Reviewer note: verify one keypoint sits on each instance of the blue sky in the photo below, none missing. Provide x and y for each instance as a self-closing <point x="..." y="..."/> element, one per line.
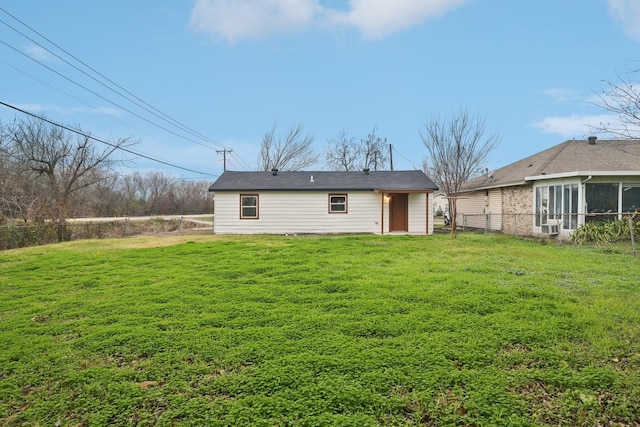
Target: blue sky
<point x="229" y="69"/>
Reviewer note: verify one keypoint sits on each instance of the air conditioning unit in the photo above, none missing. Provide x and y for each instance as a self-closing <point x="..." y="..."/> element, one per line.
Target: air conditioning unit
<point x="554" y="226"/>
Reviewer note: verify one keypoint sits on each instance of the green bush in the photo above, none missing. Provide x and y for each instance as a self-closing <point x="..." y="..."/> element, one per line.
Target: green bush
<point x="602" y="233"/>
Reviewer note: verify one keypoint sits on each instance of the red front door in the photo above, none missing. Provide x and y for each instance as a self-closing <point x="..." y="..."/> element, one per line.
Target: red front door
<point x="399" y="212"/>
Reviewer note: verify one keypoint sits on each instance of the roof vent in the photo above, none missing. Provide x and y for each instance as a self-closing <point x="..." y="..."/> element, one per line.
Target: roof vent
<point x="366" y="171"/>
<point x="311" y="180"/>
<point x="592" y="140"/>
<point x="274" y="171"/>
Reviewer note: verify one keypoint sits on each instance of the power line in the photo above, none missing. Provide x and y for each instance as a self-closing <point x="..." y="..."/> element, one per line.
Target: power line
<point x="224" y="152"/>
<point x="42" y="82"/>
<point x="407" y="159"/>
<point x="240" y="161"/>
<point x="150" y="108"/>
<point x="102" y="141"/>
<point x="146" y="106"/>
<point x="100" y="96"/>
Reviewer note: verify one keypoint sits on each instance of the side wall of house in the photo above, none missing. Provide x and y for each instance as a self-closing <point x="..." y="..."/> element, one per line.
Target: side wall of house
<point x="420" y="211"/>
<point x="517" y="208"/>
<point x="299" y="212"/>
<point x="480" y="209"/>
<point x="470" y="209"/>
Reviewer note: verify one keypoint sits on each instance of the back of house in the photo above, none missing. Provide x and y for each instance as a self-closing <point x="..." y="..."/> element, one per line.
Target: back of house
<point x="290" y="202"/>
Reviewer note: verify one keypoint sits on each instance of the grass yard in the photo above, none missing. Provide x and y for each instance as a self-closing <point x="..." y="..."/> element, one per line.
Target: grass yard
<point x="482" y="330"/>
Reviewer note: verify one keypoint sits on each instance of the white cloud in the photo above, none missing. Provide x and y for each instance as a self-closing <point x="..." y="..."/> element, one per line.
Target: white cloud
<point x="627" y="12"/>
<point x="38" y="53"/>
<point x="234" y="20"/>
<point x="251" y="19"/>
<point x="378" y="18"/>
<point x="561" y="95"/>
<point x="575" y="126"/>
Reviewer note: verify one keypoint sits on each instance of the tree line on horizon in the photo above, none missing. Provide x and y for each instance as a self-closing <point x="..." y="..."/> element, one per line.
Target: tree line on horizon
<point x="49" y="174"/>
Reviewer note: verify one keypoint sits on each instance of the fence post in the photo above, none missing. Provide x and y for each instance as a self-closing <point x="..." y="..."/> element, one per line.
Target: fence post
<point x="126" y="227"/>
<point x="633" y="239"/>
<point x="181" y="225"/>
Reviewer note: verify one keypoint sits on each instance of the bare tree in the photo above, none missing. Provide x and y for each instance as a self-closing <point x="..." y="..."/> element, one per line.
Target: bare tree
<point x="291" y="151"/>
<point x="457" y="149"/>
<point x="68" y="162"/>
<point x="623" y="100"/>
<point x="344" y="153"/>
<point x="155" y="190"/>
<point x="374" y="151"/>
<point x="194" y="196"/>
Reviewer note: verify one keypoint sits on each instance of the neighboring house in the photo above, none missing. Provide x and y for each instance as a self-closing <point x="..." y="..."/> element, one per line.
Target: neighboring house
<point x="556" y="190"/>
<point x="440" y="203"/>
<point x="377" y="202"/>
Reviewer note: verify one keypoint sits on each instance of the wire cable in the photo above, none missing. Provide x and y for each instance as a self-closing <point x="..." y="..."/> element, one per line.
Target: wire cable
<point x="406" y="158"/>
<point x="127" y="150"/>
<point x="102" y="97"/>
<point x="147" y="107"/>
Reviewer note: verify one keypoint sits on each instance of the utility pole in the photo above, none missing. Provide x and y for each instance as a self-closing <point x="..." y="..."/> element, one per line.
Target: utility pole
<point x="224" y="152"/>
<point x="391" y="155"/>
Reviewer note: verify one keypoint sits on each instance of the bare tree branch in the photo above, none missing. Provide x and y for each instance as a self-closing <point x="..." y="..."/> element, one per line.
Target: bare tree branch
<point x="68" y="162"/>
<point x="623" y="100"/>
<point x="343" y="153"/>
<point x="457" y="150"/>
<point x="291" y="151"/>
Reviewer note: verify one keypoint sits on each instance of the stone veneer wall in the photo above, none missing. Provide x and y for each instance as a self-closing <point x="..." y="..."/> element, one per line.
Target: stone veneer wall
<point x="517" y="210"/>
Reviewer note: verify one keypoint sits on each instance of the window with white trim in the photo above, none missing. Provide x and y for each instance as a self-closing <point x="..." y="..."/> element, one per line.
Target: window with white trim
<point x="337" y="203"/>
<point x="248" y="206"/>
<point x="555" y="206"/>
<point x="570" y="207"/>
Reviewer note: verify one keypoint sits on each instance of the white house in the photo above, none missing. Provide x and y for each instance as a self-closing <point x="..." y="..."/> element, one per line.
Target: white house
<point x="555" y="191"/>
<point x="377" y="202"/>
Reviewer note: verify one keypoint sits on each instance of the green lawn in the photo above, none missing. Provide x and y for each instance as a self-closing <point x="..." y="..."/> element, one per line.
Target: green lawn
<point x="319" y="330"/>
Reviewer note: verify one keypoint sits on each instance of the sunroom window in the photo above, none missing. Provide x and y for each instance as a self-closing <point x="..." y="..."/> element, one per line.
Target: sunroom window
<point x="556" y="206"/>
<point x="630" y="197"/>
<point x="570" y="207"/>
<point x="602" y="202"/>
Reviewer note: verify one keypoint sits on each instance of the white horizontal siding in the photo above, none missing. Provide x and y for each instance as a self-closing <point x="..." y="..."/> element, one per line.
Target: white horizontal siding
<point x="470" y="209"/>
<point x="474" y="207"/>
<point x="418" y="211"/>
<point x="495" y="209"/>
<point x="299" y="212"/>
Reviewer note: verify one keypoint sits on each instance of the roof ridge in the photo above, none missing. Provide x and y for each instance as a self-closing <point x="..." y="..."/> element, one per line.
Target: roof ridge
<point x="559" y="149"/>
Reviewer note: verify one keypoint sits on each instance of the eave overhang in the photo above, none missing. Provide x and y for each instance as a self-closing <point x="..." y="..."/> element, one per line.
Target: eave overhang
<point x="580" y="174"/>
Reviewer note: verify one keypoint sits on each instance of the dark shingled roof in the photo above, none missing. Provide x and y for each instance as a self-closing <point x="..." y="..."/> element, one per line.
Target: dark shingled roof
<point x="324" y="181"/>
<point x="573" y="156"/>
